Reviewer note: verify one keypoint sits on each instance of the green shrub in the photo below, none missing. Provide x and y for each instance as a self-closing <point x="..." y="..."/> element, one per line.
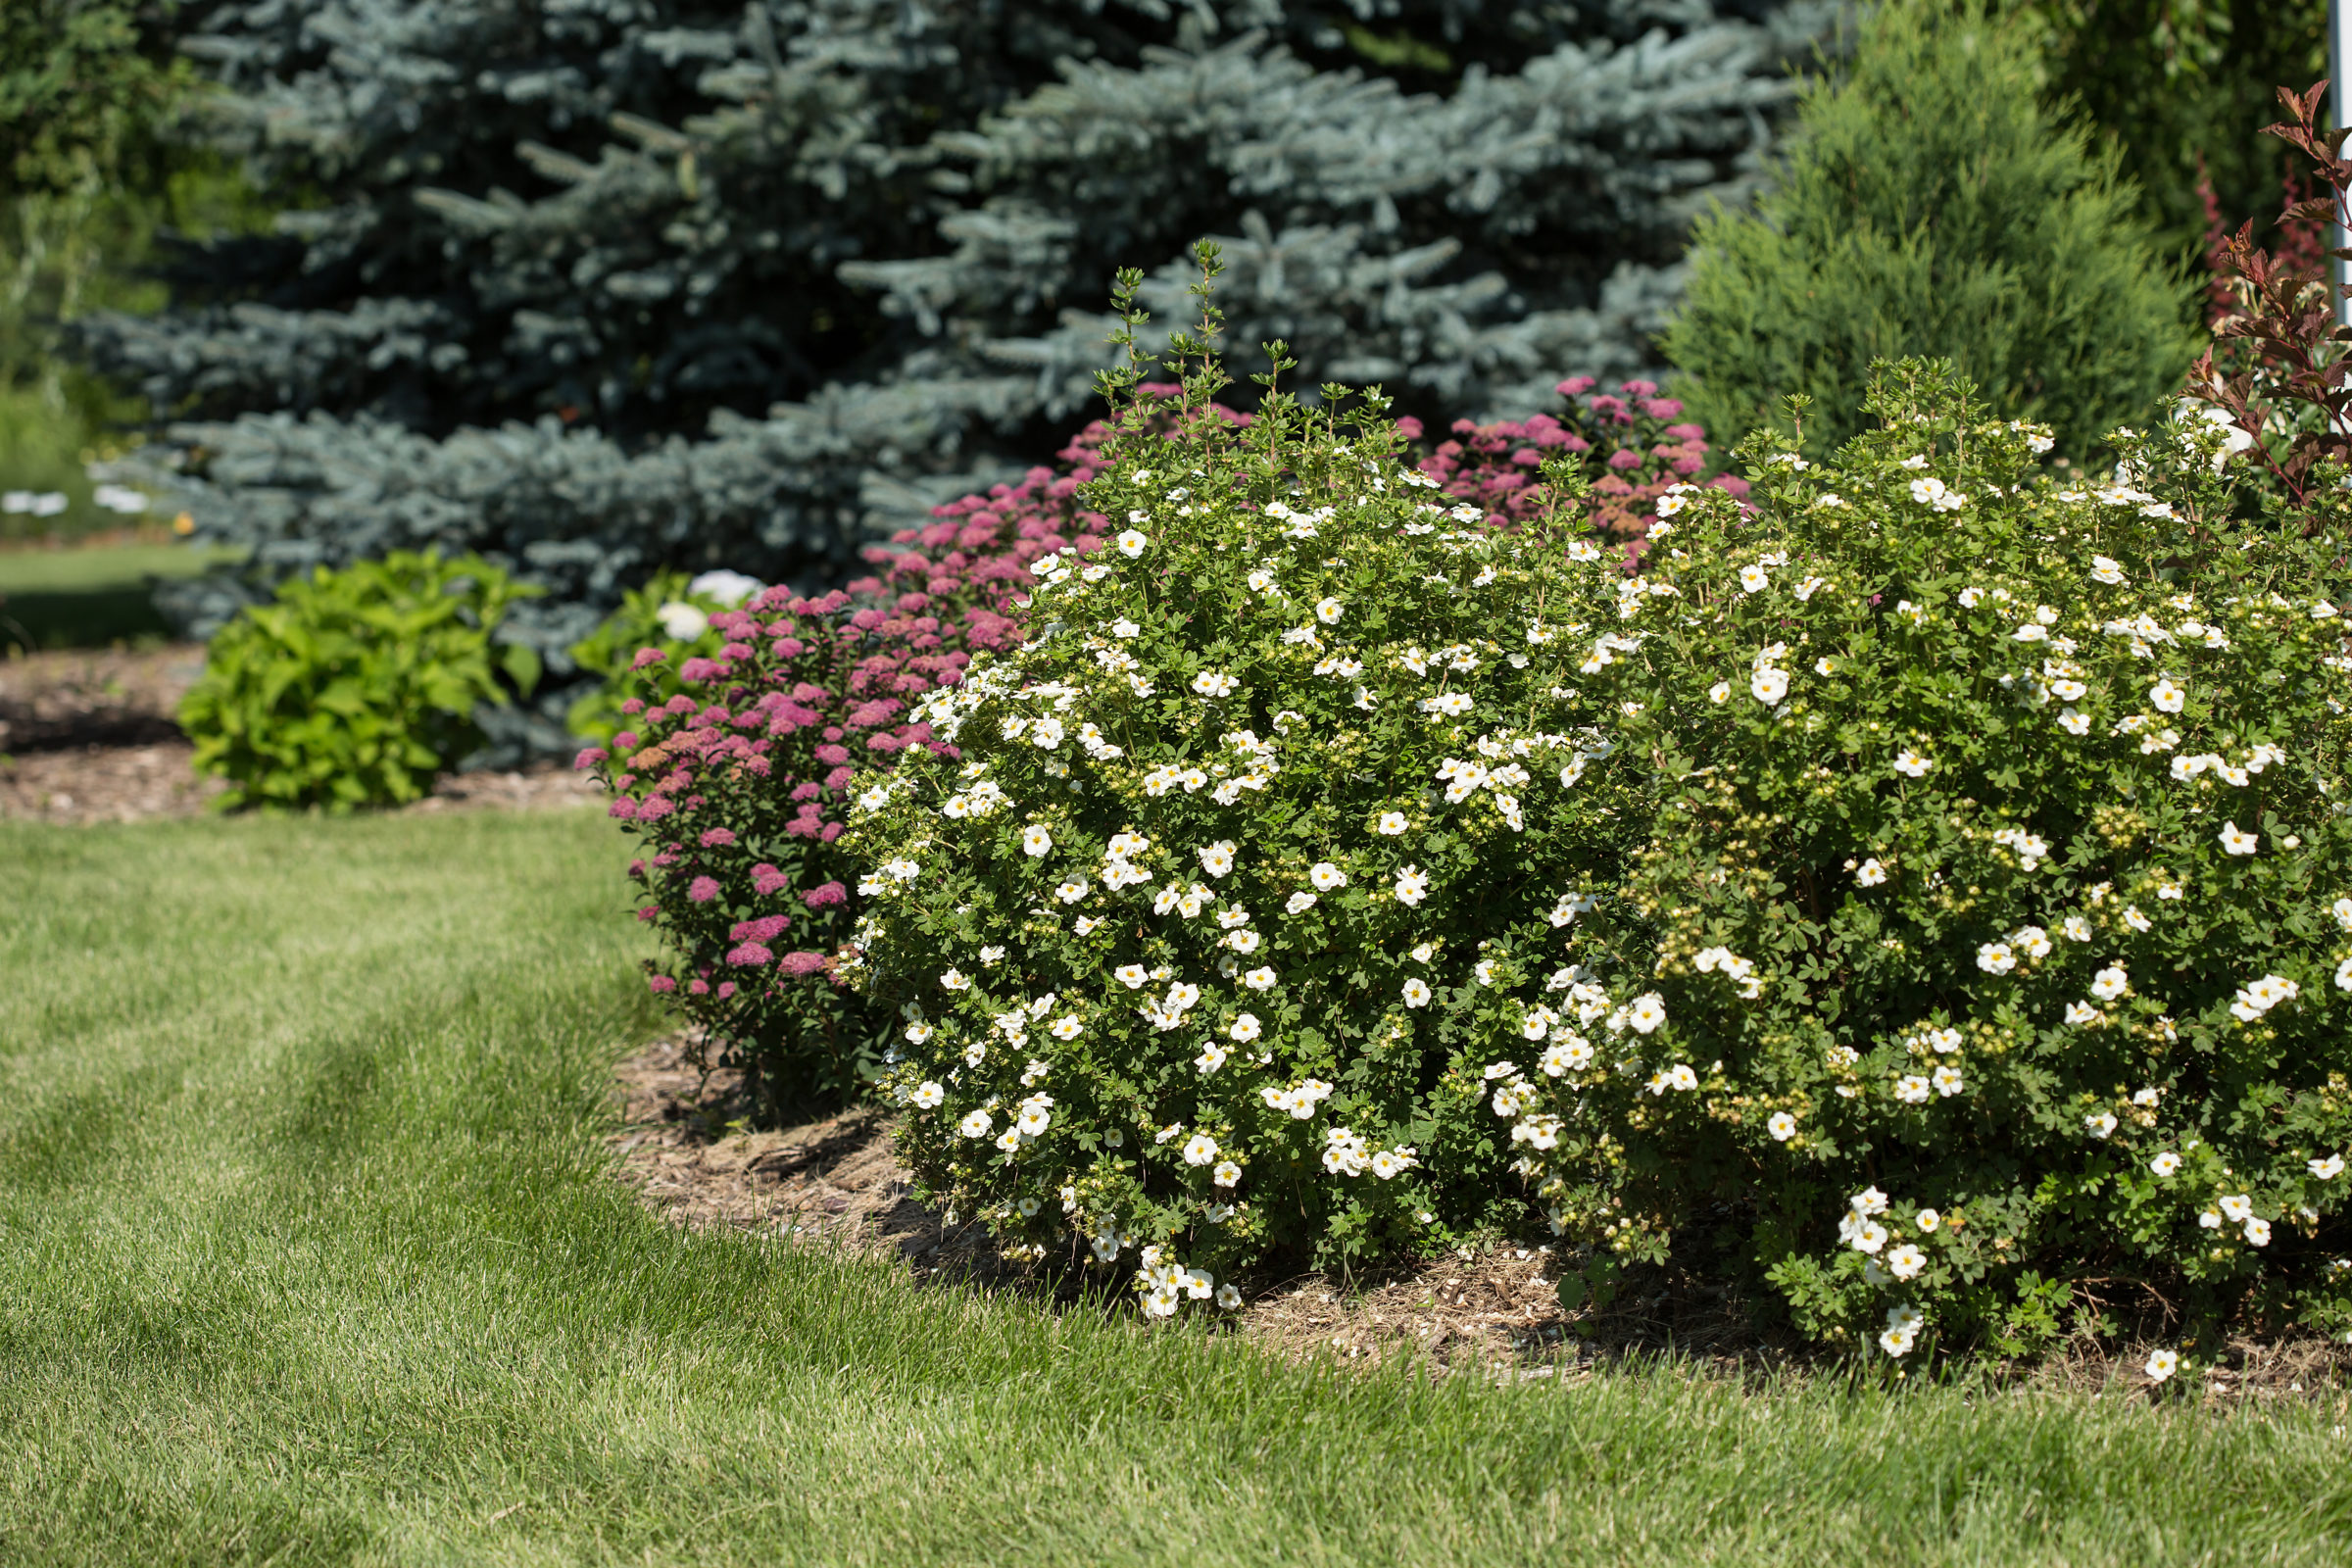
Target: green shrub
<point x="1996" y="911"/>
<point x="1202" y="939"/>
<point x="356" y="687"/>
<point x="671" y="613"/>
<point x="1929" y="206"/>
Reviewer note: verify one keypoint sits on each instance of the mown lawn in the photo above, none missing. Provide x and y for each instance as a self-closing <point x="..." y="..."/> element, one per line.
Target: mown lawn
<point x="305" y="1257"/>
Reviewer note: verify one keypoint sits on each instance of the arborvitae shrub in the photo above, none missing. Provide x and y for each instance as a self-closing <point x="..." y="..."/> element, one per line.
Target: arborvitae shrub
<point x="1929" y="205"/>
<point x="1996" y="903"/>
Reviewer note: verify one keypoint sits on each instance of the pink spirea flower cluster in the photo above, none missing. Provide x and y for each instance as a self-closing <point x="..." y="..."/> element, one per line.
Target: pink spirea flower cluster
<point x="736" y="784"/>
<point x="1634" y="437"/>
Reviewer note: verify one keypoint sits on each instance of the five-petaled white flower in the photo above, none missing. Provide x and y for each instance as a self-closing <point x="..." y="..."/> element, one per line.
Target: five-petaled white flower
<point x="1259" y="979"/>
<point x="1227" y="1174"/>
<point x="1870" y="873"/>
<point x="1769" y="685"/>
<point x="2166" y="1163"/>
<point x="1036" y="841"/>
<point x="1392" y="823"/>
<point x="1781" y="1126"/>
<point x="2235" y="841"/>
<point x="1213" y="683"/>
<point x="2099" y="1124"/>
<point x="1244" y="1027"/>
<point x="1752" y="579"/>
<point x="2327" y="1169"/>
<point x="1201" y="1149"/>
<point x="2162" y="1364"/>
<point x="1911" y="764"/>
<point x="1906" y="1262"/>
<point x="975" y="1124"/>
<point x="1416" y="993"/>
<point x="928" y="1096"/>
<point x="1131" y="543"/>
<point x="1326" y="876"/>
<point x="2110" y="983"/>
<point x="1217" y="858"/>
<point x="1648" y="1012"/>
<point x="1327" y="610"/>
<point x="2167" y="696"/>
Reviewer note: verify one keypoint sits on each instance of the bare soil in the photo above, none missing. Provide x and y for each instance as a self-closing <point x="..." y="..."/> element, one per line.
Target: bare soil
<point x="88" y="736"/>
<point x="684" y="1145"/>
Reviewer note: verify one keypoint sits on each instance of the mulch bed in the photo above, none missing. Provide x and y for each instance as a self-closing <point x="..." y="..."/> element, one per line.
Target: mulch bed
<point x="685" y="1146"/>
<point x="88" y="736"/>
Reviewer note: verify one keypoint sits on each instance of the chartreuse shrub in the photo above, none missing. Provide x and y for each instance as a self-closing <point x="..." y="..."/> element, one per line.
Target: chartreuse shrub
<point x="1988" y="953"/>
<point x="356" y="687"/>
<point x="671" y="613"/>
<point x="1202" y="934"/>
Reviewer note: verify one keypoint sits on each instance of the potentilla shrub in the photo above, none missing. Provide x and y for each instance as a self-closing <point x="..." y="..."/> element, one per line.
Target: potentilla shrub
<point x="1989" y="955"/>
<point x="1202" y="939"/>
<point x="1627" y="440"/>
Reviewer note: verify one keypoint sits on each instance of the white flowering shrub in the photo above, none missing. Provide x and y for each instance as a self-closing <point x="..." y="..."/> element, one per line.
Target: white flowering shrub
<point x="1204" y="935"/>
<point x="1995" y="912"/>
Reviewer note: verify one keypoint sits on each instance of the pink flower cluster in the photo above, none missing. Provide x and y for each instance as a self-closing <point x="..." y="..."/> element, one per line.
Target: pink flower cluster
<point x="1640" y="453"/>
<point x="737" y="784"/>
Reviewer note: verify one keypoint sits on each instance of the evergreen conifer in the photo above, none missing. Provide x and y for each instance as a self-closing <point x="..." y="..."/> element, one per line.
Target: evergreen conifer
<point x="623" y="284"/>
<point x="1929" y="204"/>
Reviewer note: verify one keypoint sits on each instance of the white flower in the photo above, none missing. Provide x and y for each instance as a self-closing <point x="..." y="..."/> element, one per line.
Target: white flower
<point x="1995" y="957"/>
<point x="1392" y="823"/>
<point x="1769" y="686"/>
<point x="2167" y="696"/>
<point x="975" y="1124"/>
<point x="955" y="980"/>
<point x="1870" y="874"/>
<point x="1200" y="1151"/>
<point x="1484" y="971"/>
<point x="1416" y="993"/>
<point x="1719" y="691"/>
<point x="1244" y="1027"/>
<point x="1227" y="1297"/>
<point x="1911" y="764"/>
<point x="2327" y="1169"/>
<point x="1034" y="1118"/>
<point x="2135" y="919"/>
<point x="1327" y="610"/>
<point x="1227" y="1174"/>
<point x="2236" y="842"/>
<point x="1259" y="979"/>
<point x="1906" y="1262"/>
<point x="1325" y="876"/>
<point x="2162" y="1364"/>
<point x="1752" y="579"/>
<point x="1299" y="904"/>
<point x="1648" y="1012"/>
<point x="1131" y="975"/>
<point x="1213" y="683"/>
<point x="1781" y="1126"/>
<point x="1036" y="841"/>
<point x="682" y="622"/>
<point x="1066" y="1027"/>
<point x="1217" y="858"/>
<point x="919" y="1032"/>
<point x="2166" y="1163"/>
<point x="2074" y="723"/>
<point x="1899" y="1342"/>
<point x="2100" y="1124"/>
<point x="1927" y="492"/>
<point x="1131" y="543"/>
<point x="2258" y="1233"/>
<point x="1869" y="1236"/>
<point x="928" y="1096"/>
<point x="2078" y="1013"/>
<point x="1948" y="1081"/>
<point x="2076" y="928"/>
<point x="1413" y="885"/>
<point x="1868" y="1201"/>
<point x="1452" y="705"/>
<point x="1911" y="1089"/>
<point x="1928" y="1219"/>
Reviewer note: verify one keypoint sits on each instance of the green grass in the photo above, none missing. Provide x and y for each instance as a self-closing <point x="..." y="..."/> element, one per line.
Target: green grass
<point x="93" y="596"/>
<point x="304" y="1258"/>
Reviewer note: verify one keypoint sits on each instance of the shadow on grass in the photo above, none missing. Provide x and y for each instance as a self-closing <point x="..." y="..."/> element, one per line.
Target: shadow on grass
<point x="88" y="617"/>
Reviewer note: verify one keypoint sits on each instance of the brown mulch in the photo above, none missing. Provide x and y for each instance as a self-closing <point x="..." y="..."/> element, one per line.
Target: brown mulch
<point x="88" y="736"/>
<point x="684" y="1145"/>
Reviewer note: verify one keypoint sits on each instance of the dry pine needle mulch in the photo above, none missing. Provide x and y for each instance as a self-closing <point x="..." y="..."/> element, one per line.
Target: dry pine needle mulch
<point x="1496" y="1313"/>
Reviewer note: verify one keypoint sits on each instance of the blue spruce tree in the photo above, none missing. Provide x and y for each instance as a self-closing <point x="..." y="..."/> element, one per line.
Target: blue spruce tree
<point x="608" y="285"/>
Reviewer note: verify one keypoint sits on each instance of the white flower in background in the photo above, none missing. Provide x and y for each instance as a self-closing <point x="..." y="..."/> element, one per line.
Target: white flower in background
<point x="2073" y="722"/>
<point x="1769" y="685"/>
<point x="1036" y="842"/>
<point x="1906" y="1262"/>
<point x="1217" y="858"/>
<point x="1131" y="543"/>
<point x="39" y="503"/>
<point x="2236" y="842"/>
<point x="1719" y="692"/>
<point x="2099" y="1124"/>
<point x="1299" y="904"/>
<point x="681" y="621"/>
<point x="1201" y="1149"/>
<point x="1996" y="958"/>
<point x="1451" y="704"/>
<point x="955" y="980"/>
<point x="1781" y="1126"/>
<point x="2167" y="696"/>
<point x="2327" y="1169"/>
<point x="1392" y="823"/>
<point x="125" y="502"/>
<point x="975" y="1124"/>
<point x="1753" y="579"/>
<point x="1413" y="885"/>
<point x="1125" y="628"/>
<point x="1065" y="1027"/>
<point x="1870" y="873"/>
<point x="2258" y="1233"/>
<point x="1648" y="1012"/>
<point x="1948" y="1081"/>
<point x="1244" y="1027"/>
<point x="2076" y="929"/>
<point x="1214" y="683"/>
<point x="2162" y="1364"/>
<point x="928" y="1096"/>
<point x="1328" y="611"/>
<point x="1259" y="979"/>
<point x="729" y="588"/>
<point x="1911" y="764"/>
<point x="1326" y="876"/>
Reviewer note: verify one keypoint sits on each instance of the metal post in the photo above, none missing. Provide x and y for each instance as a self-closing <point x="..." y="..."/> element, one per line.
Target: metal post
<point x="2339" y="70"/>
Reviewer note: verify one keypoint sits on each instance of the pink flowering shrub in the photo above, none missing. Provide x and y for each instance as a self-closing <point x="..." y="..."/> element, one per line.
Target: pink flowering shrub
<point x="734" y="770"/>
<point x="1628" y="440"/>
